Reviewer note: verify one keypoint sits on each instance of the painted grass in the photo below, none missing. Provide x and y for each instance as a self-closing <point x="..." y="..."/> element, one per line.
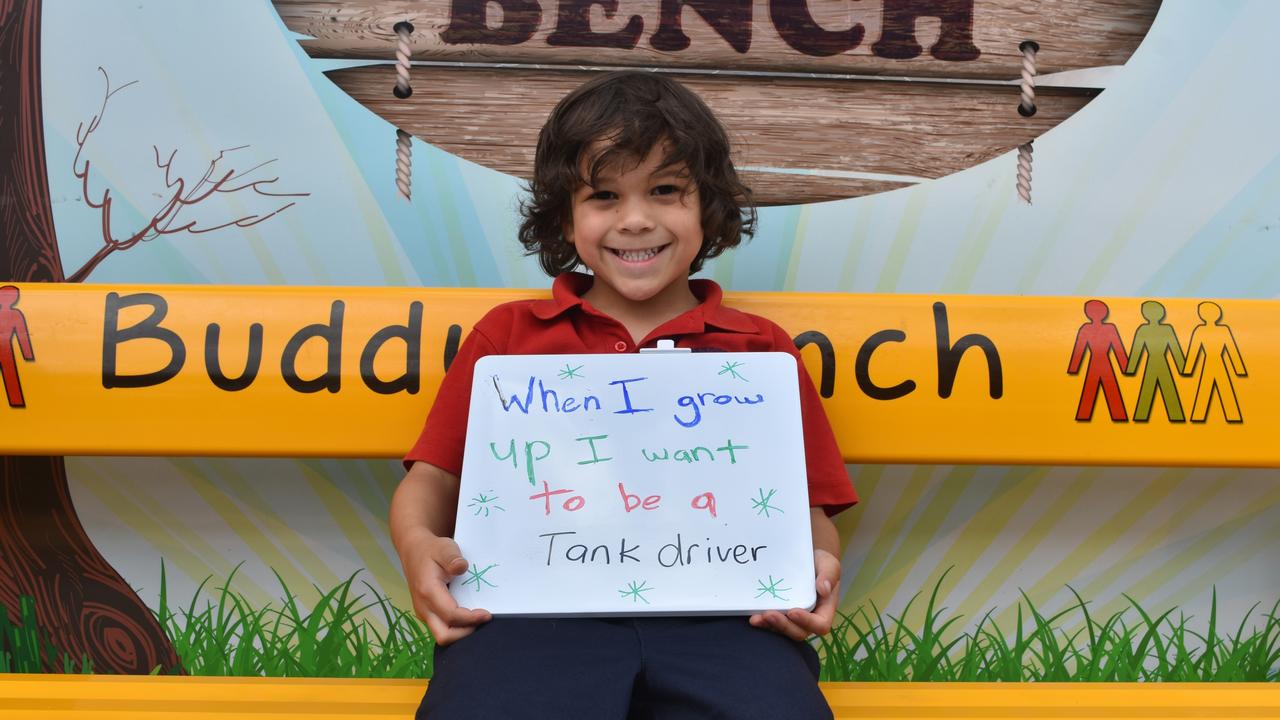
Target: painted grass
<point x="352" y="630"/>
<point x="1068" y="646"/>
<point x="24" y="646"/>
<point x="333" y="636"/>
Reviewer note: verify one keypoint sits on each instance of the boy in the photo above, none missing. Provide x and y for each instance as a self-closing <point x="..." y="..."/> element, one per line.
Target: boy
<point x="632" y="179"/>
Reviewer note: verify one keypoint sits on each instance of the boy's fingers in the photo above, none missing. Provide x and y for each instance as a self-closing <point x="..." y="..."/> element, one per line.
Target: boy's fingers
<point x="777" y="622"/>
<point x="820" y="619"/>
<point x="827" y="599"/>
<point x="826" y="569"/>
<point x="448" y="555"/>
<point x="432" y="586"/>
<point x="446" y="635"/>
<point x="468" y="617"/>
<point x="813" y="623"/>
<point x="783" y="624"/>
<point x="450" y="624"/>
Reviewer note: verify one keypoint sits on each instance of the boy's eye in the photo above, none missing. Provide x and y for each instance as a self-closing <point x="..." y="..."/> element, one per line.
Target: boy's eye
<point x="665" y="190"/>
<point x="602" y="195"/>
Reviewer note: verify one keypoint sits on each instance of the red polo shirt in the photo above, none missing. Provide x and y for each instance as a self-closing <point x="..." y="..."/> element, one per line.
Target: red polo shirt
<point x="568" y="324"/>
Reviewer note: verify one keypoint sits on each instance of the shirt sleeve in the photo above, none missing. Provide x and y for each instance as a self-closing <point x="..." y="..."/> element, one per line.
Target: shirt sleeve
<point x="829" y="485"/>
<point x="444" y="435"/>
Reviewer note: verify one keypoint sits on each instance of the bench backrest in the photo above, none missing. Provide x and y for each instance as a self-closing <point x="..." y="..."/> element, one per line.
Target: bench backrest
<point x="351" y="372"/>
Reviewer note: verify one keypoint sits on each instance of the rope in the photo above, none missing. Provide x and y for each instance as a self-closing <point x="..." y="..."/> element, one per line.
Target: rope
<point x="404" y="165"/>
<point x="1024" y="172"/>
<point x="1027" y="108"/>
<point x="402" y="90"/>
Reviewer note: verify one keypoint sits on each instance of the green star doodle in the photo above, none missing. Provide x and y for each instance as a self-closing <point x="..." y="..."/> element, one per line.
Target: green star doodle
<point x="771" y="588"/>
<point x="476" y="575"/>
<point x="635" y="591"/>
<point x="732" y="369"/>
<point x="481" y="503"/>
<point x="761" y="504"/>
<point x="568" y="373"/>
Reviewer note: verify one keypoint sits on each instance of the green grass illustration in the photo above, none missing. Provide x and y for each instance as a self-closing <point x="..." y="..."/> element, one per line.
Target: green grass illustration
<point x="334" y="636"/>
<point x="352" y="630"/>
<point x="1069" y="646"/>
<point x="24" y="646"/>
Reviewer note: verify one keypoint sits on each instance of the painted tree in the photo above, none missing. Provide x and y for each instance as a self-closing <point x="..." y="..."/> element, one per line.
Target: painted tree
<point x="86" y="608"/>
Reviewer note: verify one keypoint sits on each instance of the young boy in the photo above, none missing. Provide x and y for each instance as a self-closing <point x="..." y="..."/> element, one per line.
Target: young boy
<point x="632" y="179"/>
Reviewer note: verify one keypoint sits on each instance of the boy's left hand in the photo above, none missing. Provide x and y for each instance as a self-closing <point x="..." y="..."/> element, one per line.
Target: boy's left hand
<point x="797" y="623"/>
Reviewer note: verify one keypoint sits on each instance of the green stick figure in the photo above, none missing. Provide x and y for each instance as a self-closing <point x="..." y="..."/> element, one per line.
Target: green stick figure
<point x="1156" y="340"/>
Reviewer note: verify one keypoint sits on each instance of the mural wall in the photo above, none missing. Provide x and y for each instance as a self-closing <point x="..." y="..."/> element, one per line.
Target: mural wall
<point x="1164" y="181"/>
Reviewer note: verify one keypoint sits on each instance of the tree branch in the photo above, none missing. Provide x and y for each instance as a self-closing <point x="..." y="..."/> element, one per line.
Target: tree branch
<point x="182" y="194"/>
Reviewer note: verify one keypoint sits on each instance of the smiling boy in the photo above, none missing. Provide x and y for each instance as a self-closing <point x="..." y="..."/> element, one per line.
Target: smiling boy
<point x="633" y="180"/>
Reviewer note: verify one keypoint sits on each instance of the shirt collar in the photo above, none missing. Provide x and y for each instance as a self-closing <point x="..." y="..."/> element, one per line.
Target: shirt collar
<point x="568" y="288"/>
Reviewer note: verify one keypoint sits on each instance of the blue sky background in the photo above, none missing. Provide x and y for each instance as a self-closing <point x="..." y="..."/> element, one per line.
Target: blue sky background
<point x="1164" y="185"/>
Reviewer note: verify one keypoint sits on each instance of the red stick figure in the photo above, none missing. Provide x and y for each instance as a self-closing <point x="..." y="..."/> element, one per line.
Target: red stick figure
<point x="12" y="324"/>
<point x="1100" y="339"/>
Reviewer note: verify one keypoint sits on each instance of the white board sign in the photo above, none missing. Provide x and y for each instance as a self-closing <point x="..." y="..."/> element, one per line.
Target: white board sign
<point x="659" y="482"/>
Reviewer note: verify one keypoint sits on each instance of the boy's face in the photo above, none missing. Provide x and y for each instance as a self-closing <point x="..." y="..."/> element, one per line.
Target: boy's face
<point x="638" y="229"/>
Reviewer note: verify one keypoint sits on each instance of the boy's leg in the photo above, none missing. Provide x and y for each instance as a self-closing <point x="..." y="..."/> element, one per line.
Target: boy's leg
<point x="721" y="667"/>
<point x="535" y="668"/>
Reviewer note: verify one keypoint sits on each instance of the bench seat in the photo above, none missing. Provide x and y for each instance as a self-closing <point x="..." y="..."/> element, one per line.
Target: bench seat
<point x="107" y="697"/>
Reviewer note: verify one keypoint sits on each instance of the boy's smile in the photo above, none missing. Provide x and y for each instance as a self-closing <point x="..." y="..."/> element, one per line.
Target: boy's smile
<point x="638" y="230"/>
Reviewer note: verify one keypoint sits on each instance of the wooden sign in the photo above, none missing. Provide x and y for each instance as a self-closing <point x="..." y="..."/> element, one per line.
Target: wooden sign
<point x="351" y="372"/>
<point x="792" y="81"/>
<point x="480" y="115"/>
<point x="659" y="482"/>
<point x="918" y="38"/>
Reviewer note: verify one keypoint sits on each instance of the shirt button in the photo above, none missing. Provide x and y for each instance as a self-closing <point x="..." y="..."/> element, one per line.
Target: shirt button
<point x="620" y="346"/>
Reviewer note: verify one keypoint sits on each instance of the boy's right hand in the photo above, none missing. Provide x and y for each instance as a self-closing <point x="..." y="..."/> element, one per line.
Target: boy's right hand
<point x="429" y="563"/>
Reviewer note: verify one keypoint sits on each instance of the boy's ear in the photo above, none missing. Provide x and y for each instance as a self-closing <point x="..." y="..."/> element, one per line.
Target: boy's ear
<point x="566" y="231"/>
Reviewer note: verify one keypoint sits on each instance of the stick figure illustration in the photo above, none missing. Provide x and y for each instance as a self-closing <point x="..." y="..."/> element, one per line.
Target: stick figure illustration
<point x="1157" y="341"/>
<point x="1101" y="340"/>
<point x="1212" y="342"/>
<point x="13" y="325"/>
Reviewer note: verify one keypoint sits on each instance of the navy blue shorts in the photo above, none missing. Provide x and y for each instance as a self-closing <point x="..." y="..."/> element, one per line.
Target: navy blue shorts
<point x="624" y="669"/>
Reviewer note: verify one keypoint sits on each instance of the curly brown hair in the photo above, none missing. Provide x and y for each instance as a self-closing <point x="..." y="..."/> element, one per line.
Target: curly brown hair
<point x="631" y="111"/>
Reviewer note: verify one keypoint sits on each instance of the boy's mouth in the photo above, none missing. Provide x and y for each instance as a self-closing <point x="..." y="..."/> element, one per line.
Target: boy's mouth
<point x="637" y="256"/>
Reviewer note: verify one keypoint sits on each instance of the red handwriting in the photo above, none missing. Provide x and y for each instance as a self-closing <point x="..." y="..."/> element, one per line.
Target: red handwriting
<point x="705" y="501"/>
<point x="631" y="502"/>
<point x="572" y="504"/>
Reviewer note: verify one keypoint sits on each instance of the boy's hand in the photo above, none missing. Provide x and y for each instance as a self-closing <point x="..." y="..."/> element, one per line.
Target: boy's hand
<point x="429" y="564"/>
<point x="797" y="623"/>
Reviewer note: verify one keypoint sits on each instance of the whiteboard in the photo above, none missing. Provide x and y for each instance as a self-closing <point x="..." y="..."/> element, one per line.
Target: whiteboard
<point x="650" y="483"/>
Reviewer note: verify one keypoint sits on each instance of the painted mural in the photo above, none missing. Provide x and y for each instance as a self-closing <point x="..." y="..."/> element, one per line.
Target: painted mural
<point x="261" y="143"/>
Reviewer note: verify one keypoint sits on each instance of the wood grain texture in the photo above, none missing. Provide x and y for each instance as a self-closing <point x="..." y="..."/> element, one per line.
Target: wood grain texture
<point x="769" y="188"/>
<point x="83" y="605"/>
<point x="492" y="117"/>
<point x="1072" y="34"/>
<point x="29" y="250"/>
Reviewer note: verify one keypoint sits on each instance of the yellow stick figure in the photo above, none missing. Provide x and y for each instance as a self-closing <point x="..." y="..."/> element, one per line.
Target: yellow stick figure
<point x="1213" y="343"/>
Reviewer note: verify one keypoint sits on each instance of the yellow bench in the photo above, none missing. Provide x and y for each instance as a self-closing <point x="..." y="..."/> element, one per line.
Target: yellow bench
<point x="68" y="697"/>
<point x="906" y="379"/>
<point x="892" y="369"/>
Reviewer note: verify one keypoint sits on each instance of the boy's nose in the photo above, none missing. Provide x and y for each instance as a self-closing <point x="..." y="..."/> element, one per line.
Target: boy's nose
<point x="634" y="217"/>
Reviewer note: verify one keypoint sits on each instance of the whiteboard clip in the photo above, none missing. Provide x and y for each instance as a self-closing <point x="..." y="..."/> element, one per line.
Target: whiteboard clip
<point x="665" y="346"/>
